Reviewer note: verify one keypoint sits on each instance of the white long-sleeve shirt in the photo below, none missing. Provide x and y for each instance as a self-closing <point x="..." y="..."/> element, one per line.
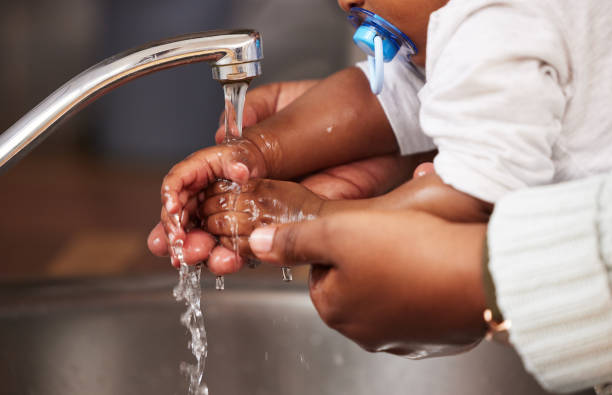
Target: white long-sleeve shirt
<point x="550" y="256"/>
<point x="518" y="94"/>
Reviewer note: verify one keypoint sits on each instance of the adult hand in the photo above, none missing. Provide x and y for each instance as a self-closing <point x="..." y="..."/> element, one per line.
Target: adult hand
<point x="389" y="280"/>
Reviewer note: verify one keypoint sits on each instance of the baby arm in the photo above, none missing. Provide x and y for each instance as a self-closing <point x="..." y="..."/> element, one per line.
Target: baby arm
<point x="337" y="121"/>
<point x="427" y="193"/>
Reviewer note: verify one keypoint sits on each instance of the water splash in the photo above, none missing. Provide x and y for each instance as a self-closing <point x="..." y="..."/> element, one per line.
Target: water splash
<point x="189" y="291"/>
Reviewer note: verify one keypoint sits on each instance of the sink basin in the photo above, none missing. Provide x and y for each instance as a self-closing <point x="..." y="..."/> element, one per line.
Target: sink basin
<point x="122" y="336"/>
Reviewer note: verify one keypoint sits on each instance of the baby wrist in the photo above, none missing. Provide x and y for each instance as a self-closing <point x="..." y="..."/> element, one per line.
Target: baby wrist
<point x="267" y="150"/>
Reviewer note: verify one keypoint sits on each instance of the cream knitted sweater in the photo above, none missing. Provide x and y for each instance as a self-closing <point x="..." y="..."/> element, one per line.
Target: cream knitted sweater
<point x="551" y="260"/>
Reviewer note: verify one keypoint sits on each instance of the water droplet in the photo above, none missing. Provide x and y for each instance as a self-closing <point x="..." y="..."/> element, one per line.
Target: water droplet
<point x="287" y="276"/>
<point x="220" y="283"/>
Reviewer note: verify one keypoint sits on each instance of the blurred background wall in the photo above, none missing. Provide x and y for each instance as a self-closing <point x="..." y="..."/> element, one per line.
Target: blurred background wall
<point x="88" y="175"/>
<point x="165" y="115"/>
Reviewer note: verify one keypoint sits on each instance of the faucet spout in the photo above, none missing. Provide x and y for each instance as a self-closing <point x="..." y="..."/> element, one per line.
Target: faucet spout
<point x="234" y="55"/>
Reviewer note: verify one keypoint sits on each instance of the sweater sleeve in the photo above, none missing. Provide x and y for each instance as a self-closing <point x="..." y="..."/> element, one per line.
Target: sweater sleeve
<point x="494" y="98"/>
<point x="399" y="99"/>
<point x="550" y="251"/>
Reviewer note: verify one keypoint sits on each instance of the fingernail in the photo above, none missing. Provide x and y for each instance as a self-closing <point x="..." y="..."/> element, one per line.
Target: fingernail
<point x="261" y="239"/>
<point x="421" y="173"/>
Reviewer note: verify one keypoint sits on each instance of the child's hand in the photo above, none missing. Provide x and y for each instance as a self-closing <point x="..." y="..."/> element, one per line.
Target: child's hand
<point x="181" y="189"/>
<point x="233" y="216"/>
<point x="389" y="280"/>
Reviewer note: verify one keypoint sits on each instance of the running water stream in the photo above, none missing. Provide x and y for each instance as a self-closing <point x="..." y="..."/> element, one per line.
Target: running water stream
<point x="189" y="288"/>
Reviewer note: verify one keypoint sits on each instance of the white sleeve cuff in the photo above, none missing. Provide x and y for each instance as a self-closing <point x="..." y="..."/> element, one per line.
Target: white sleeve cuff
<point x="550" y="250"/>
<point x="399" y="99"/>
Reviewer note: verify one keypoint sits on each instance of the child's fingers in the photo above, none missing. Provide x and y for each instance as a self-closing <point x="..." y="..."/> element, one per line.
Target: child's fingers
<point x="237" y="162"/>
<point x="190" y="214"/>
<point x="230" y="224"/>
<point x="180" y="179"/>
<point x="175" y="225"/>
<point x="226" y="186"/>
<point x="196" y="172"/>
<point x="229" y="202"/>
<point x="236" y="171"/>
<point x="224" y="261"/>
<point x="219" y="187"/>
<point x="217" y="204"/>
<point x="172" y="229"/>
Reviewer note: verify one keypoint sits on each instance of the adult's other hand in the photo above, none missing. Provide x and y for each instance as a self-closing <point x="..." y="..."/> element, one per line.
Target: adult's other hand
<point x="389" y="280"/>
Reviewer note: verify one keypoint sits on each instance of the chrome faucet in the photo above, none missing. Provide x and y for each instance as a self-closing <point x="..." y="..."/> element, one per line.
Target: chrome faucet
<point x="234" y="55"/>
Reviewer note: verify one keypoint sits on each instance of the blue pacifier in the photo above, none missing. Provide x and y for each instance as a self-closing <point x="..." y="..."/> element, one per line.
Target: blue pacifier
<point x="381" y="41"/>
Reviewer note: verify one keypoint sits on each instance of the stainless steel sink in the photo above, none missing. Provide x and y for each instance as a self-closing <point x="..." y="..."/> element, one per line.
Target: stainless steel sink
<point x="122" y="336"/>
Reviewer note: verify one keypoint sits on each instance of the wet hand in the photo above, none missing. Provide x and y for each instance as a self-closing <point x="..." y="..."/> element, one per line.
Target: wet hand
<point x="237" y="161"/>
<point x="261" y="103"/>
<point x="389" y="280"/>
<point x="232" y="215"/>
